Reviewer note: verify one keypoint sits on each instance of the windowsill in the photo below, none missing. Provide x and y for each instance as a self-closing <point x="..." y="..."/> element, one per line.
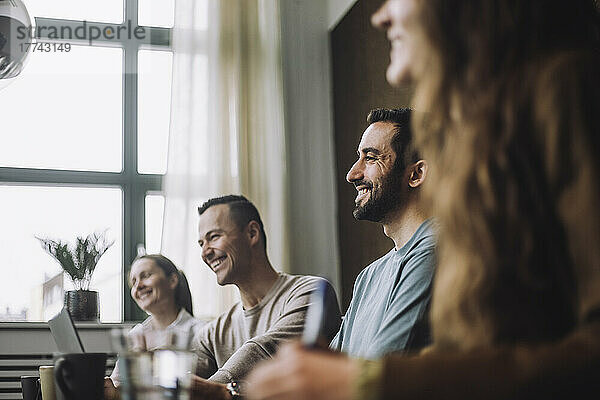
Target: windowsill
<point x="78" y="325"/>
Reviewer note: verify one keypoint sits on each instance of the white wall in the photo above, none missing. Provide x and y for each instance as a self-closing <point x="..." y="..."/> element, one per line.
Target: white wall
<point x="309" y="124"/>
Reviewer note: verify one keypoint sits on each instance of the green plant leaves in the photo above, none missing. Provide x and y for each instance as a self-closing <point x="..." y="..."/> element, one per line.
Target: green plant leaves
<point x="79" y="261"/>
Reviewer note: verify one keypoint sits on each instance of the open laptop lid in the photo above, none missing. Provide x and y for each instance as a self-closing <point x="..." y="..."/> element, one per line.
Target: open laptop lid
<point x="64" y="333"/>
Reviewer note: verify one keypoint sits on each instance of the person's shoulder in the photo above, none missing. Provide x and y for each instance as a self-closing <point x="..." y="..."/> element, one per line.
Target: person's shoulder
<point x="309" y="280"/>
<point x="208" y="325"/>
<point x="231" y="311"/>
<point x="142" y="327"/>
<point x="301" y="279"/>
<point x="421" y="256"/>
<point x="235" y="312"/>
<point x="189" y="321"/>
<point x="375" y="267"/>
<point x="426" y="235"/>
<point x="136" y="330"/>
<point x="297" y="284"/>
<point x="292" y="282"/>
<point x="372" y="272"/>
<point x="141" y="330"/>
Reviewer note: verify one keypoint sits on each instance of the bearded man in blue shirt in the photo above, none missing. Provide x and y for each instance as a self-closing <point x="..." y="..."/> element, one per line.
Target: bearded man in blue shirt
<point x="390" y="302"/>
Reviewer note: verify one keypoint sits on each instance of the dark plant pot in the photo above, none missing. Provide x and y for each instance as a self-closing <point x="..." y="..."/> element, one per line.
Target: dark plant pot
<point x="82" y="305"/>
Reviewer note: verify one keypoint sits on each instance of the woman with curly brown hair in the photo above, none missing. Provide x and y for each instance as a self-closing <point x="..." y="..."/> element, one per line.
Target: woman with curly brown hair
<point x="511" y="91"/>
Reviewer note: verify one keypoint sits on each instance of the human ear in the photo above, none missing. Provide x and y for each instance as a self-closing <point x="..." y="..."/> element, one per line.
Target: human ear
<point x="173" y="280"/>
<point x="418" y="174"/>
<point x="253" y="231"/>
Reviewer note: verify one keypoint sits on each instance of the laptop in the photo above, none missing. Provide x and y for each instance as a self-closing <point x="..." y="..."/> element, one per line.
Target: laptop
<point x="64" y="333"/>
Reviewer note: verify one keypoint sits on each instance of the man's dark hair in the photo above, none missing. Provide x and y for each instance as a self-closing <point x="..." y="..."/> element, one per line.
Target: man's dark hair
<point x="402" y="142"/>
<point x="241" y="209"/>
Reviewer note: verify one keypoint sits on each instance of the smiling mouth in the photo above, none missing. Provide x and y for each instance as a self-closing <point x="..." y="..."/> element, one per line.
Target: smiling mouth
<point x="362" y="193"/>
<point x="144" y="294"/>
<point x="215" y="264"/>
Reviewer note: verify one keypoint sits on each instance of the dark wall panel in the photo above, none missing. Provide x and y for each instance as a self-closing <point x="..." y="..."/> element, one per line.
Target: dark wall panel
<point x="360" y="57"/>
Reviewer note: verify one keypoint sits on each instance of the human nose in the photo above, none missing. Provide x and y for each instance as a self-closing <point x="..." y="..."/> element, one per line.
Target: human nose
<point x="207" y="252"/>
<point x="355" y="172"/>
<point x="381" y="19"/>
<point x="135" y="287"/>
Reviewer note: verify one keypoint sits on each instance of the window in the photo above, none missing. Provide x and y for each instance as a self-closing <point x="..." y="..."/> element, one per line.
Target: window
<point x="83" y="149"/>
<point x="156" y="13"/>
<point x="58" y="212"/>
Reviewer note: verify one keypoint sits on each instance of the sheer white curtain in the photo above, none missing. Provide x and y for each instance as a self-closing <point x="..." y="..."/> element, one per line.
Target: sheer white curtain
<point x="227" y="131"/>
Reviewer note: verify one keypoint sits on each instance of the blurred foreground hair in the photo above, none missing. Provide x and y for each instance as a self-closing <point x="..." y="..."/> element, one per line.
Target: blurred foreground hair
<point x="512" y="91"/>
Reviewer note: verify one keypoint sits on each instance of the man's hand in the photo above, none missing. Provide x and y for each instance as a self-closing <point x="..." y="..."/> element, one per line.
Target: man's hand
<point x="110" y="391"/>
<point x="203" y="389"/>
<point x="300" y="374"/>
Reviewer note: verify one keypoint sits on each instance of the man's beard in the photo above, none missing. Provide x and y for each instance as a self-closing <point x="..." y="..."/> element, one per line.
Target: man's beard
<point x="388" y="197"/>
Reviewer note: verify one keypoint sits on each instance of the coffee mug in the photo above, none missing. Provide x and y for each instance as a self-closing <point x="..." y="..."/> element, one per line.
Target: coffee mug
<point x="81" y="375"/>
<point x="49" y="389"/>
<point x="30" y="385"/>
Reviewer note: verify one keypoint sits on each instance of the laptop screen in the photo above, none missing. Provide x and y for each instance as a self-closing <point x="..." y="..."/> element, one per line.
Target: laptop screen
<point x="64" y="333"/>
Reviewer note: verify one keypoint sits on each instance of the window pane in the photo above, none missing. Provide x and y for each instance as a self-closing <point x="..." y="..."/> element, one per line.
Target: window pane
<point x="155" y="207"/>
<point x="65" y="111"/>
<point x="156" y="13"/>
<point x="154" y="108"/>
<point x="33" y="290"/>
<point x="98" y="11"/>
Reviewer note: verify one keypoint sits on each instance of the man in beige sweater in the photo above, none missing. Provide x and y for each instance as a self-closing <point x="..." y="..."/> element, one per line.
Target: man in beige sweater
<point x="273" y="304"/>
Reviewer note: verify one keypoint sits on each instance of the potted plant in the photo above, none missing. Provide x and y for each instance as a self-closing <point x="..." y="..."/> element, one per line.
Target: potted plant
<point x="79" y="262"/>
